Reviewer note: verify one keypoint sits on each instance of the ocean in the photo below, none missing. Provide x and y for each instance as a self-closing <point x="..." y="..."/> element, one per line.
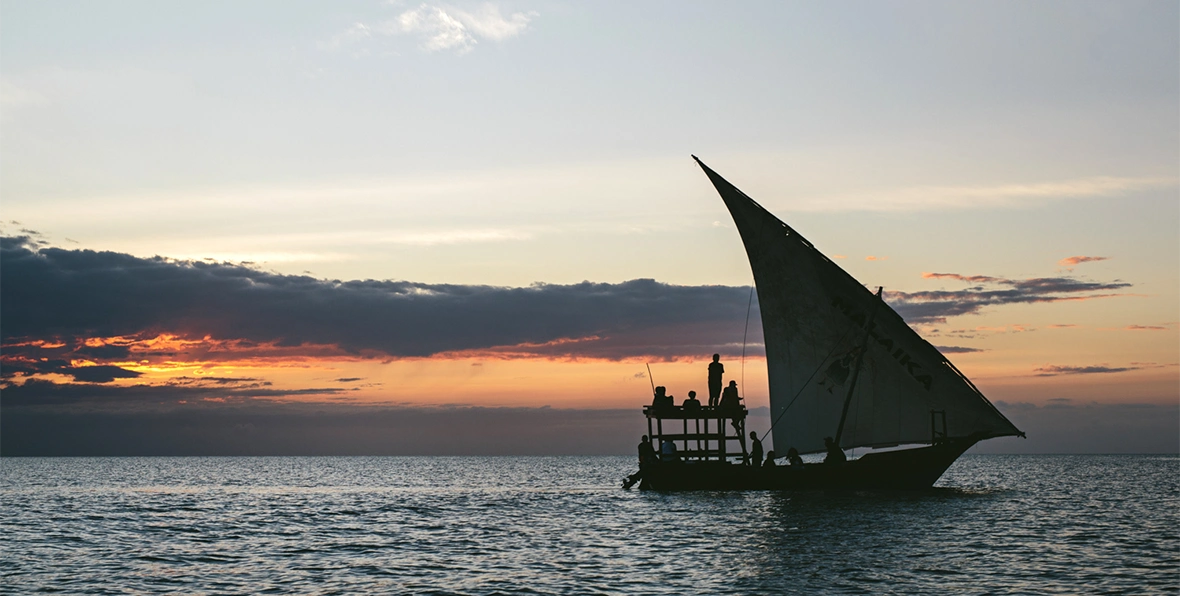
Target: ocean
<point x="995" y="524"/>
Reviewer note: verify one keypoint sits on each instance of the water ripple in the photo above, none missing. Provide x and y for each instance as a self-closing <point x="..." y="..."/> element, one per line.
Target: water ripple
<point x="462" y="526"/>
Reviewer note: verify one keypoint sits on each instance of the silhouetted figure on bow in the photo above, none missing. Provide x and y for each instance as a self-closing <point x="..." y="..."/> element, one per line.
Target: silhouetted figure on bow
<point x="647" y="458"/>
<point x="769" y="463"/>
<point x="716" y="369"/>
<point x="692" y="404"/>
<point x="835" y="453"/>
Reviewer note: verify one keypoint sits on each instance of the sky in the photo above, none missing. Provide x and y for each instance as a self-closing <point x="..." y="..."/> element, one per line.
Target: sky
<point x="400" y="227"/>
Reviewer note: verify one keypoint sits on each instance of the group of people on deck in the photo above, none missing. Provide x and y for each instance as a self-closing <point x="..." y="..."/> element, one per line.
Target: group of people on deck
<point x="756" y="460"/>
<point x="726" y="398"/>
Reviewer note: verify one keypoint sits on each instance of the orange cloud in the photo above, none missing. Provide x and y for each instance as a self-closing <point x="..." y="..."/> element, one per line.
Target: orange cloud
<point x="1069" y="262"/>
<point x="872" y="258"/>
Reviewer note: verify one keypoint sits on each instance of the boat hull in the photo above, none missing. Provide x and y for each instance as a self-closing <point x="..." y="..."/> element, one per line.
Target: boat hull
<point x="909" y="469"/>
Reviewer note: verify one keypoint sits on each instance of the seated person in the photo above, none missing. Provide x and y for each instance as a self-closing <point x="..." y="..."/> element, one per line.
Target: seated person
<point x="662" y="400"/>
<point x="692" y="404"/>
<point x="668" y="452"/>
<point x="793" y="459"/>
<point x="769" y="463"/>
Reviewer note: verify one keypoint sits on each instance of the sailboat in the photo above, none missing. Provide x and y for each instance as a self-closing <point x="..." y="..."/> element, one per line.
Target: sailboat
<point x="845" y="372"/>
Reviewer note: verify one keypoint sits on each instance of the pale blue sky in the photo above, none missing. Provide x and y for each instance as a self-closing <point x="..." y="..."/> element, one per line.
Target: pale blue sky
<point x="548" y="141"/>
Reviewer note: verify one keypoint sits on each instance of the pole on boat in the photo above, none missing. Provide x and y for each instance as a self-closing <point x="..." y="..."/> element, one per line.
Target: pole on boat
<point x="653" y="381"/>
<point x="864" y="340"/>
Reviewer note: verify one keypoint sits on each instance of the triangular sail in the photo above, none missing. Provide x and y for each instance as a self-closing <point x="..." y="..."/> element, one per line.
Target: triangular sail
<point x="812" y="312"/>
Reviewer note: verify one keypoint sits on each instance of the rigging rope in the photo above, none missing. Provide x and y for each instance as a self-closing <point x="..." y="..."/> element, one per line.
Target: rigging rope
<point x="746" y="333"/>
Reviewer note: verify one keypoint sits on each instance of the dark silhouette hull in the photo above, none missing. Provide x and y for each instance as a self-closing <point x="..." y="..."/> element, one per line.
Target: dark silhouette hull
<point x="909" y="469"/>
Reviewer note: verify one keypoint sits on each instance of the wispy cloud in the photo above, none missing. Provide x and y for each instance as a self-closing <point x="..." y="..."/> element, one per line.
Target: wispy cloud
<point x="936" y="306"/>
<point x="1053" y="370"/>
<point x="1145" y="328"/>
<point x="982" y="197"/>
<point x="970" y="278"/>
<point x="1070" y="262"/>
<point x="958" y="350"/>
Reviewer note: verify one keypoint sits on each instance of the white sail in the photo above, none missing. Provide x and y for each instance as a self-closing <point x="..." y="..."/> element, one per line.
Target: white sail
<point x="813" y="316"/>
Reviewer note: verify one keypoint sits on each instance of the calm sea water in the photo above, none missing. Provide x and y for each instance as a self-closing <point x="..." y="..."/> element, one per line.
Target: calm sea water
<point x="533" y="525"/>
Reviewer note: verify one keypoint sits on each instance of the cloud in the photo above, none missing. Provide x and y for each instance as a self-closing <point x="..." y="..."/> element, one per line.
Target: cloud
<point x="958" y="350"/>
<point x="936" y="306"/>
<point x="159" y="305"/>
<point x="99" y="373"/>
<point x="1051" y="371"/>
<point x="1145" y="328"/>
<point x="439" y="28"/>
<point x="985" y="197"/>
<point x="1069" y="262"/>
<point x="113" y="309"/>
<point x="970" y="278"/>
<point x="873" y="258"/>
<point x="36" y="392"/>
<point x="487" y="22"/>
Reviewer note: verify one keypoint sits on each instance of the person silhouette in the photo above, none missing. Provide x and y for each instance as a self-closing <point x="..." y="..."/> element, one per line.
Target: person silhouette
<point x="716" y="369"/>
<point x="668" y="453"/>
<point x="731" y="404"/>
<point x="692" y="404"/>
<point x="647" y="458"/>
<point x="661" y="400"/>
<point x="755" y="450"/>
<point x="794" y="459"/>
<point x="769" y="463"/>
<point x="835" y="453"/>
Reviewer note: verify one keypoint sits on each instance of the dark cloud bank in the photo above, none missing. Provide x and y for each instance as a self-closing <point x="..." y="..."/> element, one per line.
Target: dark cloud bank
<point x="74" y="294"/>
<point x="70" y="295"/>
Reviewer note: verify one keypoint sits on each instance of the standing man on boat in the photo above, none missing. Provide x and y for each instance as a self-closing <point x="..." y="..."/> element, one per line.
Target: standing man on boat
<point x="716" y="369"/>
<point x="756" y="450"/>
